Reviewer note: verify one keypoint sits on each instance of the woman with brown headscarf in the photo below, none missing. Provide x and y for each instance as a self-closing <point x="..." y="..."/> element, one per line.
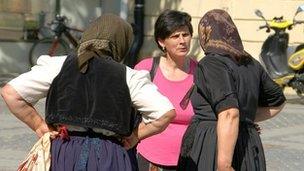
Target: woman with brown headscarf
<point x="232" y="91"/>
<point x="89" y="100"/>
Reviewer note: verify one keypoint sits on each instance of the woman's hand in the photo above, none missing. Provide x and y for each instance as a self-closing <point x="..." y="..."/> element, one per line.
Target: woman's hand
<point x="41" y="128"/>
<point x="44" y="128"/>
<point x="257" y="128"/>
<point x="54" y="134"/>
<point x="130" y="141"/>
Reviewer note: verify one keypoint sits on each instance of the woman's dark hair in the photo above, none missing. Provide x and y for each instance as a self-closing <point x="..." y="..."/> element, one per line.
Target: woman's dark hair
<point x="168" y="22"/>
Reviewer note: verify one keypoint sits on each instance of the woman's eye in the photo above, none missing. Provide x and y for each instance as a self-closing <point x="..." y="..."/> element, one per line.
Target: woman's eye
<point x="175" y="36"/>
<point x="186" y="34"/>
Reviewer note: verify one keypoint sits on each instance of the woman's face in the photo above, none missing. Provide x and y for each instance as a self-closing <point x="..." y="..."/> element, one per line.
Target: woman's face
<point x="178" y="43"/>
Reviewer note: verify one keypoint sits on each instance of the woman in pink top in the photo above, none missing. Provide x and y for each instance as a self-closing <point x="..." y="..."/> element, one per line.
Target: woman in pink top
<point x="174" y="77"/>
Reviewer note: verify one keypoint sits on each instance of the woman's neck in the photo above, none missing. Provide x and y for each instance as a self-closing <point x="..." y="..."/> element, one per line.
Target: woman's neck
<point x="174" y="69"/>
<point x="181" y="63"/>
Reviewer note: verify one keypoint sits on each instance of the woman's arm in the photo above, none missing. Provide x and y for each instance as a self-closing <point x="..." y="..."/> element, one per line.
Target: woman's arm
<point x="24" y="111"/>
<point x="148" y="129"/>
<point x="28" y="88"/>
<point x="264" y="113"/>
<point x="227" y="133"/>
<point x="145" y="130"/>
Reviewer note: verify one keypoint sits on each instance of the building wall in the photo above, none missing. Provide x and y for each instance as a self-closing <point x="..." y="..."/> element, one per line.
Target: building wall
<point x="13" y="13"/>
<point x="242" y="13"/>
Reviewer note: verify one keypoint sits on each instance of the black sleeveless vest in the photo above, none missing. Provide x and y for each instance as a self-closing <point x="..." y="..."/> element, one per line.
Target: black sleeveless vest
<point x="100" y="98"/>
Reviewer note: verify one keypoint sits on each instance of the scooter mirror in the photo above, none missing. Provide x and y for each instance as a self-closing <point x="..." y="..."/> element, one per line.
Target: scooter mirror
<point x="300" y="9"/>
<point x="258" y="13"/>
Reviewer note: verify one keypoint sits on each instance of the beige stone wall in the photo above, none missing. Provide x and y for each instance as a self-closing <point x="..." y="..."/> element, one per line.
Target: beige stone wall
<point x="242" y="12"/>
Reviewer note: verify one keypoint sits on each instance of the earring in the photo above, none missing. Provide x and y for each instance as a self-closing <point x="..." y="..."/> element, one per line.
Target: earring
<point x="164" y="48"/>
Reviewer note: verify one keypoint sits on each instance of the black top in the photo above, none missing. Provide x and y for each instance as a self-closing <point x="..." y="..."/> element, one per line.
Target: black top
<point x="99" y="98"/>
<point x="222" y="83"/>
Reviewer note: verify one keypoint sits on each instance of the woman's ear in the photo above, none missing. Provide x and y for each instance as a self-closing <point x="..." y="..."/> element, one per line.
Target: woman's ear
<point x="161" y="42"/>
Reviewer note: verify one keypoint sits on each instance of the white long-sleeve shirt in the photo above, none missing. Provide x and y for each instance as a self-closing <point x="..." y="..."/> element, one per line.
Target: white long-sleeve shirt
<point x="146" y="98"/>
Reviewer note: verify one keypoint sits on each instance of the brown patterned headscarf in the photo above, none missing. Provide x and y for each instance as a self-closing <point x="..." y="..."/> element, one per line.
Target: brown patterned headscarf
<point x="218" y="34"/>
<point x="108" y="35"/>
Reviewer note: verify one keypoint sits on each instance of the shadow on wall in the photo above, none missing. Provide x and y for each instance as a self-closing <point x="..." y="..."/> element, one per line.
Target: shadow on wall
<point x="13" y="59"/>
<point x="81" y="13"/>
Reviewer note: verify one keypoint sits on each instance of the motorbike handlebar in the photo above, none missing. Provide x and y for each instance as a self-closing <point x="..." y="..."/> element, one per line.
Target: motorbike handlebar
<point x="266" y="27"/>
<point x="262" y="27"/>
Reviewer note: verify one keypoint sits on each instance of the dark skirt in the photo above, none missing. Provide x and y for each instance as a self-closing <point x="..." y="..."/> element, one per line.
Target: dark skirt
<point x="198" y="151"/>
<point x="87" y="153"/>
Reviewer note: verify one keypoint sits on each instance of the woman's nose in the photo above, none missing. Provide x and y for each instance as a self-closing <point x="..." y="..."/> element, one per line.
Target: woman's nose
<point x="181" y="39"/>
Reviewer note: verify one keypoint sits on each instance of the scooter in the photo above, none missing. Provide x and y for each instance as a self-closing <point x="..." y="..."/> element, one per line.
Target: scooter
<point x="284" y="70"/>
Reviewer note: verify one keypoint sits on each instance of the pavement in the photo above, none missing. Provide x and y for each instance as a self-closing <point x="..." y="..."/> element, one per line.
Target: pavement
<point x="282" y="137"/>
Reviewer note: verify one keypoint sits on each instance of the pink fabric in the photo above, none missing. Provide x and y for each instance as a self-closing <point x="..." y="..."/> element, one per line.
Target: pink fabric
<point x="164" y="148"/>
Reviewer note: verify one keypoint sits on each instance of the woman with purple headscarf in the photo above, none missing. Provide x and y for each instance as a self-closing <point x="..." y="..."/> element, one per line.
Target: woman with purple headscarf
<point x="232" y="92"/>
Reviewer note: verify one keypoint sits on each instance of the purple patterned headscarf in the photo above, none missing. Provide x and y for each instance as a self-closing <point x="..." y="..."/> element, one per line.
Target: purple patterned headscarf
<point x="218" y="34"/>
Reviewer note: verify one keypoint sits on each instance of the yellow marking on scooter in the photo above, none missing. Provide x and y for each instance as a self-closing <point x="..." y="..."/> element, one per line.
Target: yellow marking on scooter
<point x="284" y="80"/>
<point x="281" y="24"/>
<point x="296" y="60"/>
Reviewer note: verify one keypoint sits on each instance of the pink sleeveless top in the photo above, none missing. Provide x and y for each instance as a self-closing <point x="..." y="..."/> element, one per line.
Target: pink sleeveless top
<point x="164" y="148"/>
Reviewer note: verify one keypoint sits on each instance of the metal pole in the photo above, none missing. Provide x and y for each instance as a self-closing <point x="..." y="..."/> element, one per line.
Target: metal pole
<point x="57" y="7"/>
<point x="131" y="60"/>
